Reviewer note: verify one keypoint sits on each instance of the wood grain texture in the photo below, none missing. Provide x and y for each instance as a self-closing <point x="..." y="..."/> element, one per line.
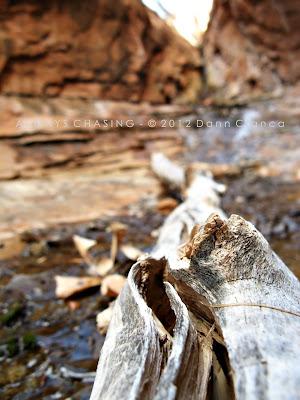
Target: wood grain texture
<point x="187" y="370"/>
<point x="234" y="270"/>
<point x="140" y="357"/>
<point x="226" y="325"/>
<point x="131" y="354"/>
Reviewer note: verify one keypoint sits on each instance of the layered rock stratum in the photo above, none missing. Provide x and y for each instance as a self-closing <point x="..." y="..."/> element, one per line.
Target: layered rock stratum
<point x="117" y="50"/>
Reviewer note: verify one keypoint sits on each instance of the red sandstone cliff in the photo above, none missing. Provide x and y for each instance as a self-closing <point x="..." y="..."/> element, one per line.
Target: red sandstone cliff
<point x="120" y="50"/>
<point x="252" y="47"/>
<point x="104" y="49"/>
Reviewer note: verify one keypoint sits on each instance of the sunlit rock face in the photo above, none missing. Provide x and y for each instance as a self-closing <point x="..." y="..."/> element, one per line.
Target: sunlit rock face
<point x="104" y="49"/>
<point x="252" y="47"/>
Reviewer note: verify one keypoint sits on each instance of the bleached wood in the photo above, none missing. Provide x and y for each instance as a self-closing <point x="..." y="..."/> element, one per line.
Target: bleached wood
<point x="167" y="171"/>
<point x="228" y="278"/>
<point x="186" y="373"/>
<point x="134" y="326"/>
<point x="131" y="352"/>
<point x="202" y="199"/>
<point x="140" y="358"/>
<point x="233" y="270"/>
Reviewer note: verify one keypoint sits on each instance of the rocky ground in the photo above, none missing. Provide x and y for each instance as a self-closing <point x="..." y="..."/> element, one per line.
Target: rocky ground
<point x="116" y="51"/>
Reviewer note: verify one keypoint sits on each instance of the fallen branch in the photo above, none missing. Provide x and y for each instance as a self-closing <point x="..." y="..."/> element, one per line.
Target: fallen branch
<point x="67" y="286"/>
<point x="215" y="315"/>
<point x="82" y="376"/>
<point x="255" y="302"/>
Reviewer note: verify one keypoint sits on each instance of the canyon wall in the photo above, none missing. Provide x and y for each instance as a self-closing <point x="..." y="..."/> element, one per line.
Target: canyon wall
<point x="104" y="49"/>
<point x="252" y="47"/>
<point x="121" y="50"/>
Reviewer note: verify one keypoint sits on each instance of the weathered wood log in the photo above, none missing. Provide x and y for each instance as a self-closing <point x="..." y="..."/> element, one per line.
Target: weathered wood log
<point x="167" y="171"/>
<point x="235" y="298"/>
<point x="255" y="302"/>
<point x="131" y="353"/>
<point x="140" y="357"/>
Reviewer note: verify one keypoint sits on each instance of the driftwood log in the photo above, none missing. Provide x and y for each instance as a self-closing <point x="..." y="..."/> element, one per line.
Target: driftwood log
<point x="212" y="316"/>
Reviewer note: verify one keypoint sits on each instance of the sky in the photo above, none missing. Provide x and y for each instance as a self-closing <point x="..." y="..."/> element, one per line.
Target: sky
<point x="190" y="16"/>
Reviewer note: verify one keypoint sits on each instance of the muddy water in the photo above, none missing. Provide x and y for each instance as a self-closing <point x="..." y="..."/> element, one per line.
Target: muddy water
<point x="42" y="337"/>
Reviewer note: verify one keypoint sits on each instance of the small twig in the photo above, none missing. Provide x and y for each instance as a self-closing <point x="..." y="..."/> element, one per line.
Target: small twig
<point x="85" y="376"/>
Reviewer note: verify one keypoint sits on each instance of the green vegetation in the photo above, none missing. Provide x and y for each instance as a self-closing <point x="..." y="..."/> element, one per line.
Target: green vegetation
<point x="30" y="341"/>
<point x="13" y="347"/>
<point x="13" y="313"/>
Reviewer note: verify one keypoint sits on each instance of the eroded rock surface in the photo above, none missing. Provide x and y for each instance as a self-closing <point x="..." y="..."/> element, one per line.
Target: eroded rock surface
<point x="60" y="155"/>
<point x="116" y="50"/>
<point x="252" y="47"/>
